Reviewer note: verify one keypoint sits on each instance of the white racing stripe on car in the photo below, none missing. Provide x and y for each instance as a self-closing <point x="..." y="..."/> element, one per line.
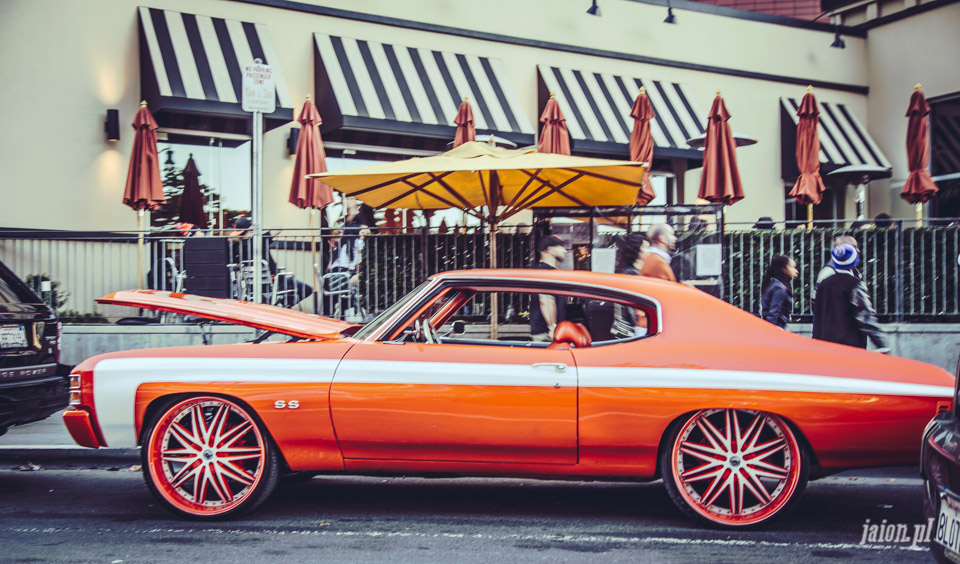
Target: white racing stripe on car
<point x="477" y="374"/>
<point x="116" y="380"/>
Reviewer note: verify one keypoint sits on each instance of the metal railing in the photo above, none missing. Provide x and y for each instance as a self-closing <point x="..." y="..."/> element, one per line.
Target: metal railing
<point x="911" y="269"/>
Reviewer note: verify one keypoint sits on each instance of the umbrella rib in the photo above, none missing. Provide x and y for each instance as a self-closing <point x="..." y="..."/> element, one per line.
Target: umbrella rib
<point x="526" y="185"/>
<point x="404" y="179"/>
<point x="483" y="190"/>
<point x="415" y="187"/>
<point x="531" y="200"/>
<point x="603" y="177"/>
<point x="452" y="192"/>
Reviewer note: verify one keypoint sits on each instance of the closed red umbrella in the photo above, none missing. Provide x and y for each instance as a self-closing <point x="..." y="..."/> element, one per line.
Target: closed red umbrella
<point x="464" y="120"/>
<point x="720" y="180"/>
<point x="191" y="202"/>
<point x="641" y="142"/>
<point x="919" y="187"/>
<point x="144" y="189"/>
<point x="310" y="192"/>
<point x="554" y="137"/>
<point x="809" y="187"/>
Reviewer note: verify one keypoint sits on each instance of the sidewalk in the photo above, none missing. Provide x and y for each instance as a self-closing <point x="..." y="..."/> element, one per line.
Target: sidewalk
<point x="48" y="441"/>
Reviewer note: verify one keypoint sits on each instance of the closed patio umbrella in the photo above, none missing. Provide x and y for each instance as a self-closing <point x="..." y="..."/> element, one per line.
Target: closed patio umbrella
<point x="305" y="192"/>
<point x="144" y="189"/>
<point x="720" y="179"/>
<point x="809" y="187"/>
<point x="191" y="202"/>
<point x="554" y="137"/>
<point x="920" y="187"/>
<point x="465" y="127"/>
<point x="641" y="142"/>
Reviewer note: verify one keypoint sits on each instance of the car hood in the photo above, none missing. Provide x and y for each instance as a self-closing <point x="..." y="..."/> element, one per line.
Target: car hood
<point x="260" y="316"/>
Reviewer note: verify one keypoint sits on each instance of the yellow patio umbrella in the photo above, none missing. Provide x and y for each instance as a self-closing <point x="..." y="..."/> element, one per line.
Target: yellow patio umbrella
<point x="491" y="183"/>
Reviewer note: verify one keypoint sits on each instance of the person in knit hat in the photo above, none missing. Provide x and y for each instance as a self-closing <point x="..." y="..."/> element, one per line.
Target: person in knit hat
<point x="842" y="312"/>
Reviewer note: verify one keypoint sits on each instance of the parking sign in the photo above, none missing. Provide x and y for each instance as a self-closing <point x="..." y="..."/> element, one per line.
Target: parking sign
<point x="259" y="93"/>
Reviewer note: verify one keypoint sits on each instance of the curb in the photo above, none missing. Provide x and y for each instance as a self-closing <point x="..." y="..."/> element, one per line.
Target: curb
<point x="68" y="455"/>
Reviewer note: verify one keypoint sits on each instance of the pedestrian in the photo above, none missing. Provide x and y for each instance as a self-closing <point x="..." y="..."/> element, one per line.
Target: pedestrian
<point x="842" y="312"/>
<point x="632" y="252"/>
<point x="663" y="241"/>
<point x="546" y="310"/>
<point x="829" y="270"/>
<point x="776" y="302"/>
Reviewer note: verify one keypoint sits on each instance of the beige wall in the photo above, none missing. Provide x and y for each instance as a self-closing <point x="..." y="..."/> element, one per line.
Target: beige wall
<point x="67" y="62"/>
<point x="921" y="49"/>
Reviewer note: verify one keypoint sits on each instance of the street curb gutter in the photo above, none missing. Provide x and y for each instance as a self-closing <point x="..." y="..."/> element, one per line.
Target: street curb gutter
<point x="68" y="455"/>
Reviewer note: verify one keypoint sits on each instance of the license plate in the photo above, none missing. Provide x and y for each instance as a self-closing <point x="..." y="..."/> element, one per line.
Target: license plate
<point x="12" y="337"/>
<point x="948" y="525"/>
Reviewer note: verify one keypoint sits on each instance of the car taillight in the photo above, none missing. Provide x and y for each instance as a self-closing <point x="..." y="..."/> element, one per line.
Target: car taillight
<point x="76" y="396"/>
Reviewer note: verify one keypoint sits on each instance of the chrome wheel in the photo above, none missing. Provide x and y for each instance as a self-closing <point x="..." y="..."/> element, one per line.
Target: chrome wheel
<point x="735" y="467"/>
<point x="206" y="457"/>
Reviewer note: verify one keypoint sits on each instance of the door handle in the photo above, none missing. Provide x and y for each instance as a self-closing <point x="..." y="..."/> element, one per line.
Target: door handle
<point x="558" y="366"/>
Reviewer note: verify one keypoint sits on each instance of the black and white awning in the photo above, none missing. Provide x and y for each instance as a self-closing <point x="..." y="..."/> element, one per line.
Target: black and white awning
<point x="366" y="85"/>
<point x="597" y="109"/>
<point x="192" y="64"/>
<point x="843" y="140"/>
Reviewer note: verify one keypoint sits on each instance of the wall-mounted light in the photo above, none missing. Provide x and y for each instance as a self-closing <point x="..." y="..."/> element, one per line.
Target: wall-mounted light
<point x="292" y="140"/>
<point x="111" y="126"/>
<point x="670" y="19"/>
<point x="594" y="10"/>
<point x="838" y="41"/>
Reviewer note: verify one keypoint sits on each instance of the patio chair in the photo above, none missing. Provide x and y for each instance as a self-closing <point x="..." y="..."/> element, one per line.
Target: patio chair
<point x="274" y="286"/>
<point x="337" y="289"/>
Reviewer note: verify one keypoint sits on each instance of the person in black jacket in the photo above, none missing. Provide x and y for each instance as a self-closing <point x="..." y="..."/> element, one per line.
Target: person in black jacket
<point x="842" y="312"/>
<point x="777" y="300"/>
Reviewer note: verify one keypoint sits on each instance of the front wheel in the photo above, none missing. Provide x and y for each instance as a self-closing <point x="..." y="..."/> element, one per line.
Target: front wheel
<point x="734" y="468"/>
<point x="206" y="457"/>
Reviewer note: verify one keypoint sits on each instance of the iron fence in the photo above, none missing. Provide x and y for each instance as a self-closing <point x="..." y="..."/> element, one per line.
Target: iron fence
<point x="911" y="270"/>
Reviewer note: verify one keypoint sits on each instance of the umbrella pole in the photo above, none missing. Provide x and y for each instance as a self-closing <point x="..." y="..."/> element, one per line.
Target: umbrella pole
<point x="316" y="265"/>
<point x="140" y="248"/>
<point x="494" y="321"/>
<point x="809" y="216"/>
<point x="919" y="208"/>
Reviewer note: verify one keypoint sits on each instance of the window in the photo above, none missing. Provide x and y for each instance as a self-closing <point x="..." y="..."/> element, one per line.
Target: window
<point x="461" y="315"/>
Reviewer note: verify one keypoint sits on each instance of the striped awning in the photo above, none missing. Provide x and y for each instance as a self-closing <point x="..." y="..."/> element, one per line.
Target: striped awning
<point x="192" y="64"/>
<point x="843" y="140"/>
<point x="597" y="108"/>
<point x="371" y="86"/>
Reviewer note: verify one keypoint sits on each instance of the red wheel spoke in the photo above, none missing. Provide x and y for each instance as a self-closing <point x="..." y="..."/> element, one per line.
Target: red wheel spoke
<point x="238" y="454"/>
<point x="700" y="473"/>
<point x="767" y="470"/>
<point x="234" y="472"/>
<point x="752" y="434"/>
<point x="234" y="434"/>
<point x="768" y="448"/>
<point x="712" y="434"/>
<point x="703" y="452"/>
<point x="199" y="424"/>
<point x="221" y="489"/>
<point x="184" y="474"/>
<point x="756" y="487"/>
<point x="200" y="485"/>
<point x="186" y="437"/>
<point x="216" y="425"/>
<point x="178" y="455"/>
<point x="717" y="487"/>
<point x="736" y="494"/>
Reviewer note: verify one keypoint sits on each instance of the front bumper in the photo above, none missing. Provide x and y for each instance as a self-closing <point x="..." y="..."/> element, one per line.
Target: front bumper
<point x="80" y="426"/>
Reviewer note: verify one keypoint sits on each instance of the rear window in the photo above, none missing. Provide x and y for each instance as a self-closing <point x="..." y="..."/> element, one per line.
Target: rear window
<point x="13" y="291"/>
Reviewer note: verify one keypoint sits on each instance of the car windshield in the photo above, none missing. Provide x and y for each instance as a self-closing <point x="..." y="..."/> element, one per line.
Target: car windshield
<point x="372" y="326"/>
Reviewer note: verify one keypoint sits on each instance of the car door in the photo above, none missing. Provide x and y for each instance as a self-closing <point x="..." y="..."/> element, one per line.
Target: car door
<point x="456" y="402"/>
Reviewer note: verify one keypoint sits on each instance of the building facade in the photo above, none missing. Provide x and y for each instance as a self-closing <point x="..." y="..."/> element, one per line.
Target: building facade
<point x="387" y="77"/>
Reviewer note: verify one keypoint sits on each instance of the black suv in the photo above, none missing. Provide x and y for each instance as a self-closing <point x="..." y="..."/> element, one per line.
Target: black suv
<point x="31" y="387"/>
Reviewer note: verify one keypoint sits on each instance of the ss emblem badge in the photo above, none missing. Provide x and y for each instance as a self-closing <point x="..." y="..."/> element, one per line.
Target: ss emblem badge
<point x="292" y="404"/>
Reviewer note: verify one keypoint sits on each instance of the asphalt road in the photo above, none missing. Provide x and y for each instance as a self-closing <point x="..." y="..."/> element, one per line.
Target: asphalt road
<point x="107" y="516"/>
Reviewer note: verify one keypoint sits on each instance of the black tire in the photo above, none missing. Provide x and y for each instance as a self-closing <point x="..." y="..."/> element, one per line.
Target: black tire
<point x="777" y="474"/>
<point x="242" y="470"/>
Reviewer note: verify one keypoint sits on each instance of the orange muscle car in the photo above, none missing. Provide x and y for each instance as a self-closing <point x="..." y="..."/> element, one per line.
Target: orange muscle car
<point x="642" y="379"/>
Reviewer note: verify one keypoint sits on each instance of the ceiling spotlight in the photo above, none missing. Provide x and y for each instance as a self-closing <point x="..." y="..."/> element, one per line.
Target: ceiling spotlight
<point x="594" y="10"/>
<point x="837" y="40"/>
<point x="670" y="19"/>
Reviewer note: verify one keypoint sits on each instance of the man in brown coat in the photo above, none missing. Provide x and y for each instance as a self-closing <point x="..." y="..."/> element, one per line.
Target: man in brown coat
<point x="662" y="243"/>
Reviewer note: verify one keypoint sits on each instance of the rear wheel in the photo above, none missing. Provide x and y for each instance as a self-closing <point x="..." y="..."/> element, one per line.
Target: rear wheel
<point x="206" y="457"/>
<point x="734" y="467"/>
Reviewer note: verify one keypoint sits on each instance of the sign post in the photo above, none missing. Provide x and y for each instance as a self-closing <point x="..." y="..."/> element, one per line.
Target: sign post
<point x="259" y="97"/>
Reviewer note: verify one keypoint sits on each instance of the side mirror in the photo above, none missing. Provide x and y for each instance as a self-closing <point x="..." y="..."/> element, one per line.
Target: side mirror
<point x="459" y="327"/>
